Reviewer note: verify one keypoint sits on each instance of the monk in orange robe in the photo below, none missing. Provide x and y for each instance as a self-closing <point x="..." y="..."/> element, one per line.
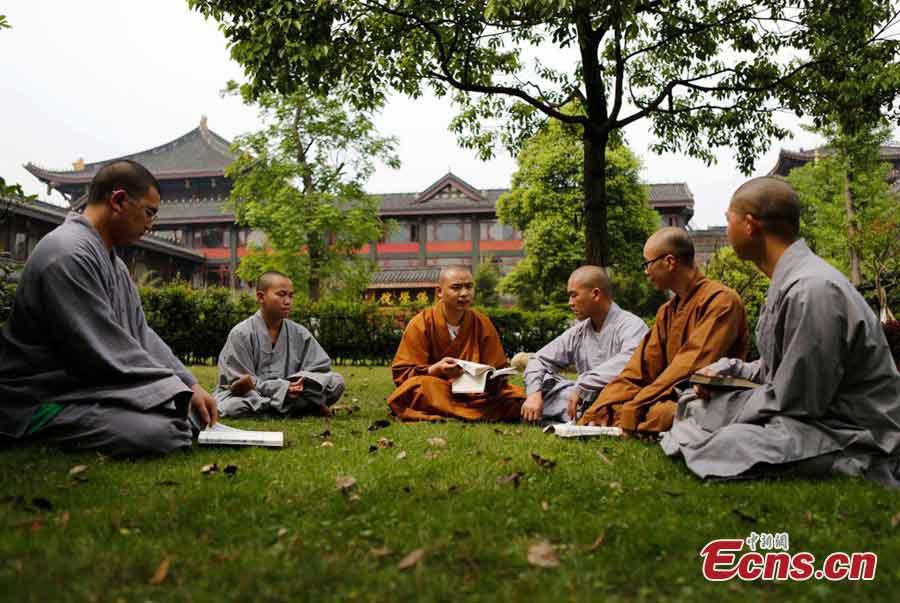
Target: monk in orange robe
<point x="705" y="321"/>
<point x="425" y="364"/>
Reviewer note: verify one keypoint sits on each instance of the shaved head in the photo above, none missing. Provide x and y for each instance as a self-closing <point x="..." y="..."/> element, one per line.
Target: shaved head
<point x="592" y="277"/>
<point x="268" y="279"/>
<point x="672" y="240"/>
<point x="773" y="202"/>
<point x="455" y="270"/>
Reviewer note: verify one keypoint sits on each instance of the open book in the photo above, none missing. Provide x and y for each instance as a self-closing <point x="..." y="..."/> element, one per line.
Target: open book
<point x="722" y="382"/>
<point x="223" y="435"/>
<point x="473" y="379"/>
<point x="570" y="430"/>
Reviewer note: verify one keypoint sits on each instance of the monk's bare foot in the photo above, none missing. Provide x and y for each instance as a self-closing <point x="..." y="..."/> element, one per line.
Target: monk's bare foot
<point x="242" y="385"/>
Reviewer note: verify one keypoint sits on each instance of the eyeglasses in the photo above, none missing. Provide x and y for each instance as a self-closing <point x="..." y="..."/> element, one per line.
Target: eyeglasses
<point x="151" y="212"/>
<point x="646" y="264"/>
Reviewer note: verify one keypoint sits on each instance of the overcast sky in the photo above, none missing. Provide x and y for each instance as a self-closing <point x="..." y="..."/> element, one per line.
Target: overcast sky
<point x="95" y="79"/>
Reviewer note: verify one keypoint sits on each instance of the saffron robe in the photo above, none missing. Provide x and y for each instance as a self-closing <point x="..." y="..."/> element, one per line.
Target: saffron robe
<point x="829" y="399"/>
<point x="249" y="351"/>
<point x="426" y="340"/>
<point x="689" y="334"/>
<point x="598" y="356"/>
<point x="77" y="337"/>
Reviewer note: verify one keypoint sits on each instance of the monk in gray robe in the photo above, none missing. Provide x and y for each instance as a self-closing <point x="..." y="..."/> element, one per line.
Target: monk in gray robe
<point x="79" y="367"/>
<point x="599" y="346"/>
<point x="829" y="394"/>
<point x="272" y="365"/>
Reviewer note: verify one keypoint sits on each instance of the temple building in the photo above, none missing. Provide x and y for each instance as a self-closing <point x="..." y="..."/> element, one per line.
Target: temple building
<point x="450" y="222"/>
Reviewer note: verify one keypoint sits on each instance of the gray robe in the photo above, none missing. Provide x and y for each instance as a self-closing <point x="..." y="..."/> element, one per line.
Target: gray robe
<point x="598" y="357"/>
<point x="830" y="393"/>
<point x="77" y="336"/>
<point x="249" y="351"/>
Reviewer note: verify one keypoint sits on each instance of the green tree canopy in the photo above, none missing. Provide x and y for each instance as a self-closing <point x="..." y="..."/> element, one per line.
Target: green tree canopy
<point x="300" y="181"/>
<point x="824" y="187"/>
<point x="545" y="205"/>
<point x="705" y="72"/>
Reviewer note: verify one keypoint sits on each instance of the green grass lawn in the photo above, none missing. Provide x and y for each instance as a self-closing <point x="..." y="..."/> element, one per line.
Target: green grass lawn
<point x="280" y="530"/>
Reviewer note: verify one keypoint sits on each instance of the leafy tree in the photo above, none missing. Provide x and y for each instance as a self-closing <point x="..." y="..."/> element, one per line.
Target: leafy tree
<point x="873" y="250"/>
<point x="745" y="278"/>
<point x="705" y="72"/>
<point x="300" y="180"/>
<point x="487" y="276"/>
<point x="545" y="205"/>
<point x="851" y="98"/>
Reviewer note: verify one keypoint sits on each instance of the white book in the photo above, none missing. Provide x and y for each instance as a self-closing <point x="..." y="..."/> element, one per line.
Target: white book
<point x="223" y="435"/>
<point x="571" y="430"/>
<point x="474" y="377"/>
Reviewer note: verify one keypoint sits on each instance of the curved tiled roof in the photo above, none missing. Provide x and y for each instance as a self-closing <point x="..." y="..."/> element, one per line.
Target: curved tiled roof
<point x="788" y="160"/>
<point x="199" y="153"/>
<point x="420" y="276"/>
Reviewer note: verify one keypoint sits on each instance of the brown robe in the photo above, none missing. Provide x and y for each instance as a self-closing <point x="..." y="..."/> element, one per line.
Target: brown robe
<point x="426" y="340"/>
<point x="690" y="334"/>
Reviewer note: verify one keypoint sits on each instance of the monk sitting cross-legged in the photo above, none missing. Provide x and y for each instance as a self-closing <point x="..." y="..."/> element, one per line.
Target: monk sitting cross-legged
<point x="704" y="321"/>
<point x="425" y="364"/>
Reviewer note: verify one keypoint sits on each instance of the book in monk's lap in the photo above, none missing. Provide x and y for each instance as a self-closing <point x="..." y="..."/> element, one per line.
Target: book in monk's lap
<point x="474" y="377"/>
<point x="722" y="382"/>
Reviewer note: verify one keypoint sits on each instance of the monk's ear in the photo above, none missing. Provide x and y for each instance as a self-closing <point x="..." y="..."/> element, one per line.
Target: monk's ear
<point x="260" y="295"/>
<point x="437" y="293"/>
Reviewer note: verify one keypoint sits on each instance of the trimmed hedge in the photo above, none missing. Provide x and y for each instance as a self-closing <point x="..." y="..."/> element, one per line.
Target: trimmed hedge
<point x="196" y="322"/>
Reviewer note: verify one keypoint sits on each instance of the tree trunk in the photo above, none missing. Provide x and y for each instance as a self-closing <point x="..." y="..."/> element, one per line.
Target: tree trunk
<point x="596" y="234"/>
<point x="852" y="233"/>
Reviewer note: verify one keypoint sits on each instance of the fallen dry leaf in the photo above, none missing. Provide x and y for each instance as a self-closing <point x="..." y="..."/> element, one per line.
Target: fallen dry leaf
<point x="545" y="505"/>
<point x="77" y="470"/>
<point x="344" y="482"/>
<point x="411" y="559"/>
<point x="615" y="485"/>
<point x="64" y="519"/>
<point x="512" y="477"/>
<point x="379" y="424"/>
<point x="353" y="497"/>
<point x="604" y="458"/>
<point x="381" y="551"/>
<point x="437" y="442"/>
<point x="327" y="444"/>
<point x="599" y="540"/>
<point x="543" y="554"/>
<point x="385" y="443"/>
<point x="545" y="463"/>
<point x="209" y="469"/>
<point x="895" y="520"/>
<point x="746" y="517"/>
<point x="42" y="503"/>
<point x="282" y="532"/>
<point x="401" y="455"/>
<point x="161" y="572"/>
<point x="430" y="455"/>
<point x="231" y="470"/>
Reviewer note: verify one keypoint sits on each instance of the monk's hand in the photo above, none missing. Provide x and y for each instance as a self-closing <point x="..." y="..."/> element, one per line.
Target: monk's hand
<point x="295" y="388"/>
<point x="446" y="368"/>
<point x="204" y="405"/>
<point x="574" y="404"/>
<point x="533" y="408"/>
<point x="713" y="370"/>
<point x="243" y="385"/>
